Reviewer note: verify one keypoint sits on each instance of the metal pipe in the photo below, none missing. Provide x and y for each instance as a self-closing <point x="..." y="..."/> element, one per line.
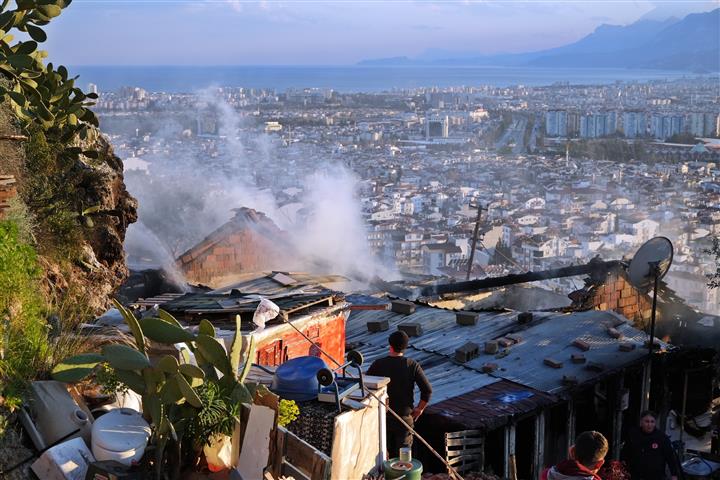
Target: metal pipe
<point x="647" y="379"/>
<point x="595" y="268"/>
<point x="682" y="413"/>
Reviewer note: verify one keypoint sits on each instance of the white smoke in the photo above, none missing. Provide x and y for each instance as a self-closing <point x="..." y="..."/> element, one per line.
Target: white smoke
<point x="334" y="231"/>
<point x="193" y="185"/>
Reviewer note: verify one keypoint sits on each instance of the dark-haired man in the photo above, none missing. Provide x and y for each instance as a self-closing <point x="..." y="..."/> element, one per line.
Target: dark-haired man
<point x="404" y="373"/>
<point x="586" y="458"/>
<point x="648" y="451"/>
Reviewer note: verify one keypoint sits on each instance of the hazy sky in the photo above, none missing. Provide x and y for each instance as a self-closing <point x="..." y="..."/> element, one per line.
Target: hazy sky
<point x="236" y="32"/>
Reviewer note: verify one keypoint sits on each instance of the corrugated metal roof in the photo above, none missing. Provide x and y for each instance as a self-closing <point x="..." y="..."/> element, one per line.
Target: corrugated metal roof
<point x="553" y="339"/>
<point x="549" y="334"/>
<point x="435" y="348"/>
<point x="441" y="334"/>
<point x="275" y="283"/>
<point x="492" y="405"/>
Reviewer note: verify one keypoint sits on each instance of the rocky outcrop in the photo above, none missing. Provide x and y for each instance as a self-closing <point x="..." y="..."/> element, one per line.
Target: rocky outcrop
<point x="102" y="267"/>
<point x="96" y="268"/>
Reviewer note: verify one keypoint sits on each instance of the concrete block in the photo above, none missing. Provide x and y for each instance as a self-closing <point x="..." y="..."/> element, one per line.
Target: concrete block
<point x="626" y="347"/>
<point x="402" y="306"/>
<point x="491" y="347"/>
<point x="578" y="358"/>
<point x="505" y="342"/>
<point x="411" y="329"/>
<point x="569" y="380"/>
<point x="467" y="352"/>
<point x="489" y="367"/>
<point x="378" y="326"/>
<point x="581" y="344"/>
<point x="551" y="362"/>
<point x="614" y="333"/>
<point x="466" y="319"/>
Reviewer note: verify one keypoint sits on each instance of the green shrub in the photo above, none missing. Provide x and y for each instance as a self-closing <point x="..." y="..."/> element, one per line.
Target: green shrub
<point x="288" y="412"/>
<point x="50" y="192"/>
<point x="23" y="330"/>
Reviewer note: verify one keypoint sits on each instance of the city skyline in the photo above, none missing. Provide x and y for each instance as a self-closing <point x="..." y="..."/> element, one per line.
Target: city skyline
<point x="235" y="32"/>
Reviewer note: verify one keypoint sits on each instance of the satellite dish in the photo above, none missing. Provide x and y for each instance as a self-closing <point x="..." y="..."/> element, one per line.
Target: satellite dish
<point x="652" y="259"/>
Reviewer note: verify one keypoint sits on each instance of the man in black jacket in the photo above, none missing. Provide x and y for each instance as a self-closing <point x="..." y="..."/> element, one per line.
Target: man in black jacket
<point x="647" y="451"/>
<point x="404" y="373"/>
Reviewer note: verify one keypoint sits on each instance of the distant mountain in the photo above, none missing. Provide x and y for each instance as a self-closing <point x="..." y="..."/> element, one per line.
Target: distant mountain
<point x="691" y="44"/>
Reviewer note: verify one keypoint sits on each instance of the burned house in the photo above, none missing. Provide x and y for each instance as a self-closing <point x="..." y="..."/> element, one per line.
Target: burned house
<point x="249" y="242"/>
<point x="518" y="385"/>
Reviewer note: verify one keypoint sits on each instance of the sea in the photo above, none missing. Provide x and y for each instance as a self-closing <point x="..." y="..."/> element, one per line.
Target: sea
<point x="347" y="79"/>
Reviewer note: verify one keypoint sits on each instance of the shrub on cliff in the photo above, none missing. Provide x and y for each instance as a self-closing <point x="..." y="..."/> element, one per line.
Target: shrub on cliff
<point x="23" y="330"/>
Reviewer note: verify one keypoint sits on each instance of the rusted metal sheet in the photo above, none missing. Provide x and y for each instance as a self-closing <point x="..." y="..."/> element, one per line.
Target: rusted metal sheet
<point x="492" y="405"/>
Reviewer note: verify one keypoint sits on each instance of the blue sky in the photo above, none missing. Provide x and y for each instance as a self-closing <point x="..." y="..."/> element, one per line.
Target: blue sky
<point x="237" y="32"/>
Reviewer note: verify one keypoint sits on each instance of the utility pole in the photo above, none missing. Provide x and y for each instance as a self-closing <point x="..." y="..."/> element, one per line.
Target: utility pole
<point x="474" y="241"/>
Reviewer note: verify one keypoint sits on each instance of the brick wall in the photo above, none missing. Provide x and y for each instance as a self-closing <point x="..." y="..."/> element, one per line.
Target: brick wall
<point x="328" y="332"/>
<point x="242" y="251"/>
<point x="8" y="191"/>
<point x="619" y="295"/>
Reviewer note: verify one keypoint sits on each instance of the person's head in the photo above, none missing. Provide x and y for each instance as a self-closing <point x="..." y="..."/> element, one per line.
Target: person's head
<point x="398" y="341"/>
<point x="648" y="419"/>
<point x="590" y="449"/>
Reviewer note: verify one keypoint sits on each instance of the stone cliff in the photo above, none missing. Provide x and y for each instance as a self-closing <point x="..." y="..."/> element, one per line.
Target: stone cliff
<point x="77" y="210"/>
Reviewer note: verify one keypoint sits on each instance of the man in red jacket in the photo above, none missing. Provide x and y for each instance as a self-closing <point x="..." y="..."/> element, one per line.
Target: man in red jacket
<point x="586" y="458"/>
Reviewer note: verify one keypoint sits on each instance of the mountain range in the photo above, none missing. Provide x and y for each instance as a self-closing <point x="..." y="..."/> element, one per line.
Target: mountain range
<point x="691" y="44"/>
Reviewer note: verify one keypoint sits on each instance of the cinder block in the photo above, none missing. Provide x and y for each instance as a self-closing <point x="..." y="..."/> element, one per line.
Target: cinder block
<point x="467" y="352"/>
<point x="378" y="326"/>
<point x="489" y="367"/>
<point x="626" y="347"/>
<point x="466" y="319"/>
<point x="491" y="347"/>
<point x="581" y="344"/>
<point x="524" y="317"/>
<point x="578" y="358"/>
<point x="614" y="333"/>
<point x="551" y="362"/>
<point x="569" y="380"/>
<point x="402" y="306"/>
<point x="505" y="342"/>
<point x="411" y="329"/>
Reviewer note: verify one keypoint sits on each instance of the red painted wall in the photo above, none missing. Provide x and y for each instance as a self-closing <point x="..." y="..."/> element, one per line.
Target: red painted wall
<point x="328" y="332"/>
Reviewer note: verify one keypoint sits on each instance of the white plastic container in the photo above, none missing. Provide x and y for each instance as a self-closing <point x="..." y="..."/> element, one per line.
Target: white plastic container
<point x="121" y="435"/>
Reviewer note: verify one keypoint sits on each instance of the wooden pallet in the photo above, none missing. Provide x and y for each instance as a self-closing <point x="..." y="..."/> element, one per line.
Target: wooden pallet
<point x="465" y="450"/>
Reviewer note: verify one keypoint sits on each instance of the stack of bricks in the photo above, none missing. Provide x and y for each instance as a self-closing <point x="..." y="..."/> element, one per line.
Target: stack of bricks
<point x="618" y="295"/>
<point x="8" y="191"/>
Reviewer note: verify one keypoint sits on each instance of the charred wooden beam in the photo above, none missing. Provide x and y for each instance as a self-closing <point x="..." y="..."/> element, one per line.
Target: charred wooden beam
<point x="596" y="268"/>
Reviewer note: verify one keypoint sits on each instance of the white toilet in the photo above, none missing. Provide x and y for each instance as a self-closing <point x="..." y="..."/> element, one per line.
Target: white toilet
<point x="121" y="434"/>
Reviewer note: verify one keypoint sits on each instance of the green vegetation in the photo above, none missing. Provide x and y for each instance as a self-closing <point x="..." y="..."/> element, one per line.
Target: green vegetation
<point x="41" y="94"/>
<point x="49" y="191"/>
<point x="288" y="412"/>
<point x="41" y="234"/>
<point x="24" y="344"/>
<point x="185" y="404"/>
